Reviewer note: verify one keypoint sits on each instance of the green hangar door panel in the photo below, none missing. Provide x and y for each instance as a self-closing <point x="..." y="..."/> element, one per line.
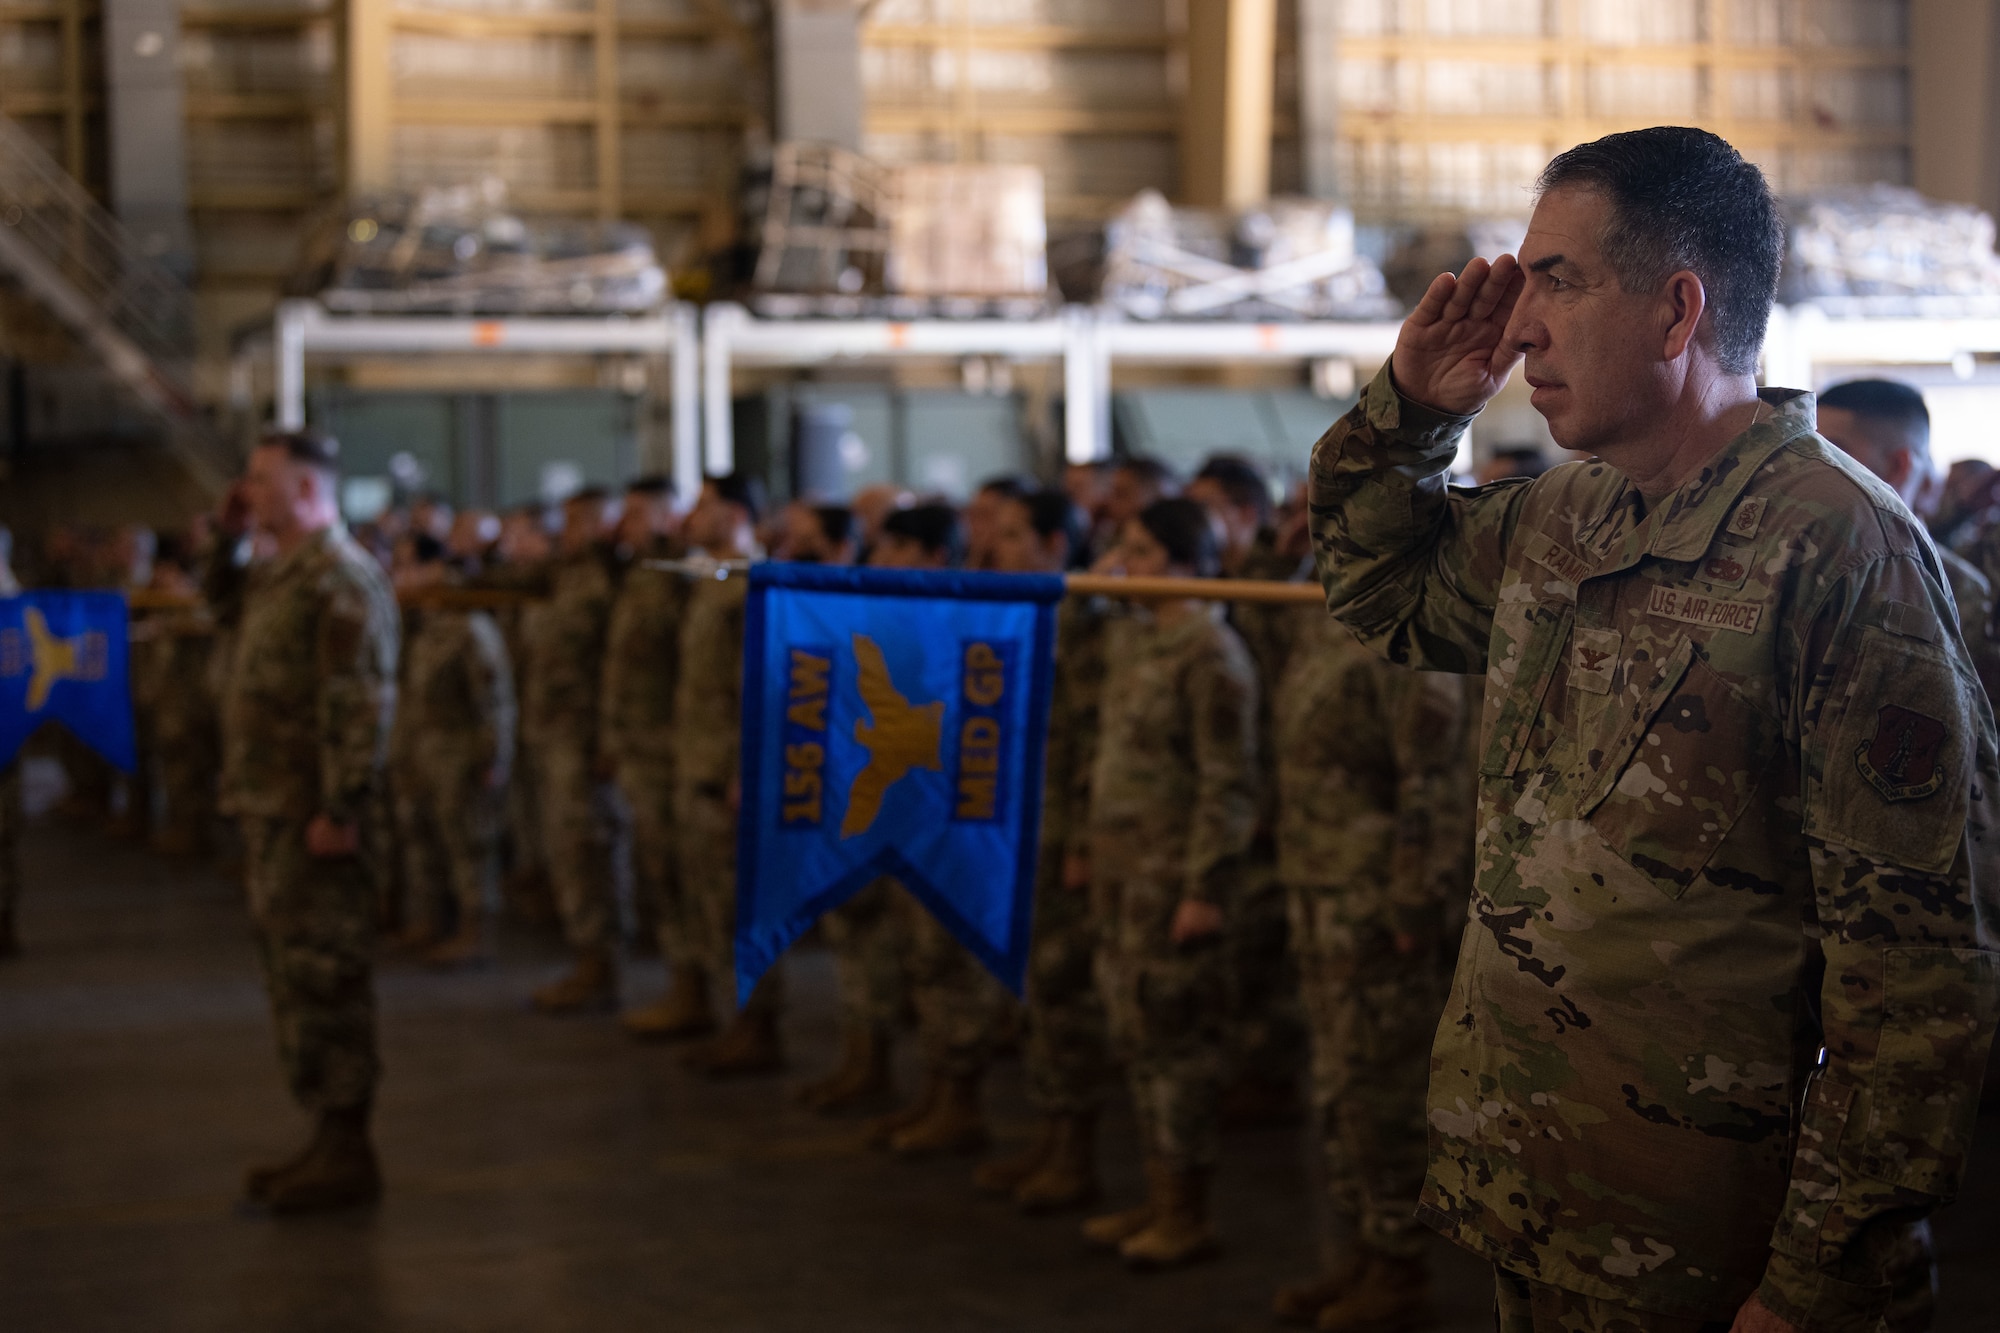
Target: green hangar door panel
<point x="388" y="442"/>
<point x="551" y="444"/>
<point x="953" y="441"/>
<point x="1182" y="426"/>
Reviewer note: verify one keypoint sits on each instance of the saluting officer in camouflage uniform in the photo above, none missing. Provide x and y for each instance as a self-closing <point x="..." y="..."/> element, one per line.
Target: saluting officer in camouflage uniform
<point x="1067" y="1054"/>
<point x="1371" y="758"/>
<point x="305" y="726"/>
<point x="636" y="744"/>
<point x="581" y="827"/>
<point x="1173" y="808"/>
<point x="1736" y="783"/>
<point x="708" y="792"/>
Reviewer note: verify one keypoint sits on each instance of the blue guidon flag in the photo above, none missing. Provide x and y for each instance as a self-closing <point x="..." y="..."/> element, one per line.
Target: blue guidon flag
<point x="63" y="658"/>
<point x="893" y="724"/>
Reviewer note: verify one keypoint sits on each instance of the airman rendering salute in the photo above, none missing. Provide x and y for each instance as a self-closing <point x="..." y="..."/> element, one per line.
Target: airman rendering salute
<point x="708" y="793"/>
<point x="1736" y="779"/>
<point x="305" y="727"/>
<point x="635" y="747"/>
<point x="580" y="824"/>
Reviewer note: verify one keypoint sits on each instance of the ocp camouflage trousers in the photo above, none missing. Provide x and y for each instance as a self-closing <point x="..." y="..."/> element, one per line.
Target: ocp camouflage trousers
<point x="1167" y="1010"/>
<point x="648" y="787"/>
<point x="582" y="830"/>
<point x="1068" y="1052"/>
<point x="315" y="926"/>
<point x="1268" y="1036"/>
<point x="450" y="841"/>
<point x="1523" y="1305"/>
<point x="870" y="938"/>
<point x="707" y="831"/>
<point x="1371" y="1013"/>
<point x="958" y="1001"/>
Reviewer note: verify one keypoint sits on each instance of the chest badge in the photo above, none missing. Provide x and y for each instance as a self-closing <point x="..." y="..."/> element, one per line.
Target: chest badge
<point x="1593" y="657"/>
<point x="1749" y="516"/>
<point x="1723" y="571"/>
<point x="1901" y="760"/>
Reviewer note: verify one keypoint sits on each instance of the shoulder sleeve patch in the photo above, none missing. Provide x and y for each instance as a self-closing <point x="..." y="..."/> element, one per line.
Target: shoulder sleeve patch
<point x="1892" y="771"/>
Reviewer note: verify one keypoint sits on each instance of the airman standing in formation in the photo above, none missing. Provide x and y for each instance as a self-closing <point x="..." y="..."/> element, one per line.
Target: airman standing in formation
<point x="305" y="726"/>
<point x="708" y="792"/>
<point x="1369" y="784"/>
<point x="957" y="1001"/>
<point x="1173" y="810"/>
<point x="459" y="709"/>
<point x="1268" y="1028"/>
<point x="637" y="742"/>
<point x="1067" y="1052"/>
<point x="580" y="823"/>
<point x="1732" y="915"/>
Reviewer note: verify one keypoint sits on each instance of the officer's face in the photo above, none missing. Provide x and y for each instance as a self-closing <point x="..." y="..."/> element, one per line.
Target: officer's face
<point x="1597" y="356"/>
<point x="273" y="485"/>
<point x="1138" y="554"/>
<point x="1016" y="548"/>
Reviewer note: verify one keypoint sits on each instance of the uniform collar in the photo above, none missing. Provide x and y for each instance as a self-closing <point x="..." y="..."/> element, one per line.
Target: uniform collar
<point x="307" y="551"/>
<point x="1683" y="526"/>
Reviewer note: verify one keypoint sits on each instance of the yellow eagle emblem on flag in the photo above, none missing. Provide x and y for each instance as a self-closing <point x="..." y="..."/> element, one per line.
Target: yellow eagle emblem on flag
<point x="900" y="736"/>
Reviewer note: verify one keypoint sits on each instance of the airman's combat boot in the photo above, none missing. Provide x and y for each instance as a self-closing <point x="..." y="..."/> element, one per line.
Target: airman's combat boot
<point x="883" y="1128"/>
<point x="682" y="1013"/>
<point x="471" y="945"/>
<point x="1067" y="1177"/>
<point x="1301" y="1302"/>
<point x="1178" y="1235"/>
<point x="339" y="1171"/>
<point x="863" y="1073"/>
<point x="591" y="986"/>
<point x="1112" y="1230"/>
<point x="1392" y="1296"/>
<point x="955" y="1123"/>
<point x="749" y="1045"/>
<point x="1004" y="1175"/>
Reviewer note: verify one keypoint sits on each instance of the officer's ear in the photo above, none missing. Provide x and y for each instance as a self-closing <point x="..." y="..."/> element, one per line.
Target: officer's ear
<point x="1683" y="302"/>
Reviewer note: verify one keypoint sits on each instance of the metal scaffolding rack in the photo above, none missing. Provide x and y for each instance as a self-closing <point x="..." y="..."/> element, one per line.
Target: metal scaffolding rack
<point x="306" y="329"/>
<point x="704" y="349"/>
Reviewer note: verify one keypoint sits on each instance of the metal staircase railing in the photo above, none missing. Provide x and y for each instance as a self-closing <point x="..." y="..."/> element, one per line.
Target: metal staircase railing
<point x="131" y="314"/>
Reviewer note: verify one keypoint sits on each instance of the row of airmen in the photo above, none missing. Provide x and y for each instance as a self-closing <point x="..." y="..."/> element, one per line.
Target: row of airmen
<point x="1256" y="833"/>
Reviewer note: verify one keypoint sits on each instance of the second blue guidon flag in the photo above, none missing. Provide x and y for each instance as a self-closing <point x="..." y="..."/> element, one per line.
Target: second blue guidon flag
<point x="893" y="724"/>
<point x="63" y="658"/>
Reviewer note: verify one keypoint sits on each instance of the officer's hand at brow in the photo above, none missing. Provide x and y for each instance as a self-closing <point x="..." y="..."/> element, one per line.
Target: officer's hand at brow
<point x="1450" y="355"/>
<point x="1195" y="920"/>
<point x="1756" y="1317"/>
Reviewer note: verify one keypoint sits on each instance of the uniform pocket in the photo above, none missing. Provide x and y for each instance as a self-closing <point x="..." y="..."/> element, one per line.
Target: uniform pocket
<point x="1517" y="699"/>
<point x="1677" y="771"/>
<point x="1937" y="1023"/>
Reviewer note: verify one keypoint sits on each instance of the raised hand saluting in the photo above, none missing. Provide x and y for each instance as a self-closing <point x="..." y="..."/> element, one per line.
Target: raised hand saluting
<point x="1451" y="355"/>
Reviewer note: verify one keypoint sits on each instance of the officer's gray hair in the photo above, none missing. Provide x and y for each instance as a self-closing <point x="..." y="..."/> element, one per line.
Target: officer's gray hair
<point x="1684" y="199"/>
